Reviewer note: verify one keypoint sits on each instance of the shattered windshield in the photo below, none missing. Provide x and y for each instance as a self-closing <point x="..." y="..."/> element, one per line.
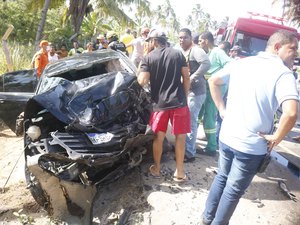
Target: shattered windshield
<point x="85" y="66"/>
<point x="249" y="44"/>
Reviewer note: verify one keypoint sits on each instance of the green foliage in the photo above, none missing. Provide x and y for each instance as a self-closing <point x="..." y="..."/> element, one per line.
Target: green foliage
<point x="93" y="25"/>
<point x="56" y="32"/>
<point x="36" y="5"/>
<point x="25" y="23"/>
<point x="20" y="55"/>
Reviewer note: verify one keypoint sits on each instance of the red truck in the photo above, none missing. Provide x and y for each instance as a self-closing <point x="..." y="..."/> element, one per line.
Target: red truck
<point x="252" y="33"/>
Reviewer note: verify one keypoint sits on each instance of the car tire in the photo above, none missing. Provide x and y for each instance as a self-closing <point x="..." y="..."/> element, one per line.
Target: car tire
<point x="36" y="189"/>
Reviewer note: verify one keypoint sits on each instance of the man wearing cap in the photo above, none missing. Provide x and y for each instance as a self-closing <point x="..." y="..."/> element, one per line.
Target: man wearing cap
<point x="101" y="42"/>
<point x="164" y="68"/>
<point x="41" y="58"/>
<point x="114" y="43"/>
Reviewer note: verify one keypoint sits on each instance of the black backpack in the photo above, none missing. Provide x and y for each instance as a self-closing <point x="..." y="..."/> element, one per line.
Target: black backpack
<point x="116" y="45"/>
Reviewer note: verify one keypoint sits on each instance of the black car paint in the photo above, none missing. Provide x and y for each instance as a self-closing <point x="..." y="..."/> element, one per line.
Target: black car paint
<point x="15" y="90"/>
<point x="78" y="97"/>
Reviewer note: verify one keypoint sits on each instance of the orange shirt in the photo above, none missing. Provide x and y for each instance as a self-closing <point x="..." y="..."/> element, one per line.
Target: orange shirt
<point x="41" y="60"/>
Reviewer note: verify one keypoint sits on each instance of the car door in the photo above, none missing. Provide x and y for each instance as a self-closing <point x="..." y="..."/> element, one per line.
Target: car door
<point x="15" y="90"/>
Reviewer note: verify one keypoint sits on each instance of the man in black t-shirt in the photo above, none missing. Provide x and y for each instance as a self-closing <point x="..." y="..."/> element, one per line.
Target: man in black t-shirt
<point x="164" y="67"/>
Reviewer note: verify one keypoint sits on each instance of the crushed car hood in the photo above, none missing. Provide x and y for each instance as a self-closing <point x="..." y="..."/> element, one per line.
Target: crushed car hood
<point x="90" y="103"/>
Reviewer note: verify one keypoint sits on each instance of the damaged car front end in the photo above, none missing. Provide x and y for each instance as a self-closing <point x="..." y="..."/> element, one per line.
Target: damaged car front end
<point x="84" y="127"/>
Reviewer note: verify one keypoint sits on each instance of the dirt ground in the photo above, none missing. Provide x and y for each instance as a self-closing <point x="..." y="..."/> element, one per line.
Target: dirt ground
<point x="140" y="199"/>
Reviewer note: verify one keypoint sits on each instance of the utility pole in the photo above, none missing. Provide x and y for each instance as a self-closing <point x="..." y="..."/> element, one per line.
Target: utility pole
<point x="5" y="47"/>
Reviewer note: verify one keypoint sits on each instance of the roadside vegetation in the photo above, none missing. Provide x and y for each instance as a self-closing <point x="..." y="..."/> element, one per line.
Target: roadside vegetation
<point x="63" y="24"/>
<point x="61" y="21"/>
<point x="20" y="56"/>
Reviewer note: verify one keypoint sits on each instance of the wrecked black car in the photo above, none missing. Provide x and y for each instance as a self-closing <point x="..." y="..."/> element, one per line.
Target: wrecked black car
<point x="84" y="126"/>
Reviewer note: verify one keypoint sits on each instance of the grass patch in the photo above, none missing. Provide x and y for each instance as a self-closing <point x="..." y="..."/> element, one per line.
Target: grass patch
<point x="20" y="55"/>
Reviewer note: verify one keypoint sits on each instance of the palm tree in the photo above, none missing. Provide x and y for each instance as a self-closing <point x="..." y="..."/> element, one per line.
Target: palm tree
<point x="35" y="5"/>
<point x="93" y="25"/>
<point x="78" y="9"/>
<point x="291" y="10"/>
<point x="42" y="23"/>
<point x="142" y="14"/>
<point x="200" y="20"/>
<point x="165" y="16"/>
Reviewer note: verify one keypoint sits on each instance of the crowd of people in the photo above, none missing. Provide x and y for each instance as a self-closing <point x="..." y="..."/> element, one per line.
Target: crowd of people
<point x="202" y="80"/>
<point x="197" y="80"/>
<point x="129" y="44"/>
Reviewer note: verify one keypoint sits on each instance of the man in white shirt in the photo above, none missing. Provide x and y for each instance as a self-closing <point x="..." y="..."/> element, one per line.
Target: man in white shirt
<point x="52" y="56"/>
<point x="258" y="86"/>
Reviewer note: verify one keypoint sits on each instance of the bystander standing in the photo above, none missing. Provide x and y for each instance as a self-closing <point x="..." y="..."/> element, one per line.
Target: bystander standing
<point x="198" y="64"/>
<point x="248" y="120"/>
<point x="218" y="58"/>
<point x="165" y="67"/>
<point x="41" y="58"/>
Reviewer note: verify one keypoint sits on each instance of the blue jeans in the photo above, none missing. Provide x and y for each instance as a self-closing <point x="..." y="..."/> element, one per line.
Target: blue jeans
<point x="195" y="103"/>
<point x="235" y="173"/>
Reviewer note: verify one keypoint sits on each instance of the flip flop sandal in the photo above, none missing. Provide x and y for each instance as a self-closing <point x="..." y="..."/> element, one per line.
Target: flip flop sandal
<point x="151" y="172"/>
<point x="180" y="179"/>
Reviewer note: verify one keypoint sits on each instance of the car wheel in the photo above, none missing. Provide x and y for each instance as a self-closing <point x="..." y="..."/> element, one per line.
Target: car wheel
<point x="36" y="189"/>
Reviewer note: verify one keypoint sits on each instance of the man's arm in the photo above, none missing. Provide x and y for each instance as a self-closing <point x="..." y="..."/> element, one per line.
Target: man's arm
<point x="38" y="64"/>
<point x="286" y="123"/>
<point x="131" y="43"/>
<point x="185" y="79"/>
<point x="143" y="78"/>
<point x="223" y="58"/>
<point x="202" y="58"/>
<point x="215" y="86"/>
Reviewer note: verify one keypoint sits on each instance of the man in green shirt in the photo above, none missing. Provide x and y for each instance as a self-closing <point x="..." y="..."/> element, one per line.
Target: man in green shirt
<point x="218" y="58"/>
<point x="76" y="49"/>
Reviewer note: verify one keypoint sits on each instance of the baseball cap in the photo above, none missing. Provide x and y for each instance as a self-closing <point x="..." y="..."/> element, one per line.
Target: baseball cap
<point x="43" y="42"/>
<point x="156" y="33"/>
<point x="100" y="36"/>
<point x="110" y="34"/>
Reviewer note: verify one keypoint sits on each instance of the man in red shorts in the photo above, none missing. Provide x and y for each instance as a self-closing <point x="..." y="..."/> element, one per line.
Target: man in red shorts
<point x="164" y="67"/>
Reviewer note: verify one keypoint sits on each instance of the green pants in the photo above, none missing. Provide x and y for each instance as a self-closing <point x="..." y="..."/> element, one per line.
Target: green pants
<point x="209" y="121"/>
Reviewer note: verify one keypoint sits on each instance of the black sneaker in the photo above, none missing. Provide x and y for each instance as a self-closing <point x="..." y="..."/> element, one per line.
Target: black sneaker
<point x="188" y="159"/>
<point x="206" y="152"/>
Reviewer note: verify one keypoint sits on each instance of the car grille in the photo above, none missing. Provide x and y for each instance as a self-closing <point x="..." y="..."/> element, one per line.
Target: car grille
<point x="78" y="146"/>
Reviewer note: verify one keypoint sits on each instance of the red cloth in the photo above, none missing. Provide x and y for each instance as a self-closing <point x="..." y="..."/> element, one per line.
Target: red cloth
<point x="179" y="117"/>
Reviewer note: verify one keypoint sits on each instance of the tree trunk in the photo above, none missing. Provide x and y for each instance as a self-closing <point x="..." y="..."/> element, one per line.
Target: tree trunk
<point x="77" y="11"/>
<point x="41" y="24"/>
<point x="5" y="47"/>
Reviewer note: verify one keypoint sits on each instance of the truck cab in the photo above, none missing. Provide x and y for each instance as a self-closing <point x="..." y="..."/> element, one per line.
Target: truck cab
<point x="252" y="33"/>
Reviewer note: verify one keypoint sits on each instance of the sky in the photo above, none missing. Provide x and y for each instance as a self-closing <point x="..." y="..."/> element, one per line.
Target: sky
<point x="218" y="9"/>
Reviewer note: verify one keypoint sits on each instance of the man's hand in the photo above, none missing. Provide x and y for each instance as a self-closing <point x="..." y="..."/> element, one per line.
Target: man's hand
<point x="271" y="140"/>
<point x="143" y="78"/>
